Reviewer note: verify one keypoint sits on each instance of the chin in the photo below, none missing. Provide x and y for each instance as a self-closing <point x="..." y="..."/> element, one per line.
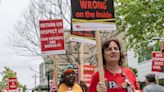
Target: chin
<point x="114" y="60"/>
<point x="70" y="84"/>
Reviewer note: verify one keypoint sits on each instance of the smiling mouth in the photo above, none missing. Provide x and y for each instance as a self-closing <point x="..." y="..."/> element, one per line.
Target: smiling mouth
<point x="113" y="56"/>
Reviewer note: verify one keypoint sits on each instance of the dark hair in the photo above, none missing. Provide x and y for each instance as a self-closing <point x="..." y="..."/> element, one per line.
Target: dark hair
<point x="150" y="77"/>
<point x="106" y="45"/>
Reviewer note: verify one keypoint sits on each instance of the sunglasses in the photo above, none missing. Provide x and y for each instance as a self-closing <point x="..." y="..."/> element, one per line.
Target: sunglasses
<point x="70" y="75"/>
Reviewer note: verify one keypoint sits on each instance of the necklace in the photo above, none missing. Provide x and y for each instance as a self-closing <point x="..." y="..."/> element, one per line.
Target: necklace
<point x="126" y="84"/>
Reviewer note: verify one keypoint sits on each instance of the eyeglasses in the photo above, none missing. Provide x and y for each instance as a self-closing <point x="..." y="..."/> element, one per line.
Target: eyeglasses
<point x="70" y="75"/>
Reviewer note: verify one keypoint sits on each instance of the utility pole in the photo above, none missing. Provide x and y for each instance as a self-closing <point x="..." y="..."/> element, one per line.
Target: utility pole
<point x="35" y="78"/>
<point x="48" y="81"/>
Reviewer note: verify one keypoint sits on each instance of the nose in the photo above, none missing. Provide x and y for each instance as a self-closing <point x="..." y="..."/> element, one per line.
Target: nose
<point x="71" y="74"/>
<point x="113" y="50"/>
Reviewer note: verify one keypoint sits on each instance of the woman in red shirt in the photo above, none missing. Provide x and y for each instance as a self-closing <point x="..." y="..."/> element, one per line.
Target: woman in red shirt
<point x="118" y="78"/>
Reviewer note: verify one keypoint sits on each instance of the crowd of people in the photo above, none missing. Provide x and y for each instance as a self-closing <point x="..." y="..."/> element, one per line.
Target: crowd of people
<point x="118" y="78"/>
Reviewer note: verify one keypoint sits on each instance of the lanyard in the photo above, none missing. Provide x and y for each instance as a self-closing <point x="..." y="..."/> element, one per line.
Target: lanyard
<point x="127" y="84"/>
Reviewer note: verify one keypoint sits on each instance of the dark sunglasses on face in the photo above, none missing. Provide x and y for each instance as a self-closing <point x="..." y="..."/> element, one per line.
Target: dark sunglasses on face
<point x="70" y="75"/>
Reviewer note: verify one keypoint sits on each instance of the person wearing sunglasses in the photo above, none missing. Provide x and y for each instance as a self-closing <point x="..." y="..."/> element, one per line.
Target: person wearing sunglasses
<point x="67" y="83"/>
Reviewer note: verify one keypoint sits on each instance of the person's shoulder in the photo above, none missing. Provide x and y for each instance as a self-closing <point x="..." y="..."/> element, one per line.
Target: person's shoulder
<point x="78" y="86"/>
<point x="149" y="87"/>
<point x="61" y="85"/>
<point x="127" y="69"/>
<point x="159" y="86"/>
<point x="145" y="89"/>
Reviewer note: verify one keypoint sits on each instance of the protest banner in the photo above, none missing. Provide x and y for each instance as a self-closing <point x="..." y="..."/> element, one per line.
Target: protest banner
<point x="12" y="84"/>
<point x="157" y="62"/>
<point x="52" y="41"/>
<point x="83" y="36"/>
<point x="88" y="71"/>
<point x="93" y="15"/>
<point x="52" y="37"/>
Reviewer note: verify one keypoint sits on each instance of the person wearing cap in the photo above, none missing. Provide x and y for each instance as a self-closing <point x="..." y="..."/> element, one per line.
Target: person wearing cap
<point x="151" y="84"/>
<point x="67" y="83"/>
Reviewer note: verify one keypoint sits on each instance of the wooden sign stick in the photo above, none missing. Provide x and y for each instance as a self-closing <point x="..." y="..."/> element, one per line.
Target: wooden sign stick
<point x="99" y="58"/>
<point x="81" y="61"/>
<point x="55" y="75"/>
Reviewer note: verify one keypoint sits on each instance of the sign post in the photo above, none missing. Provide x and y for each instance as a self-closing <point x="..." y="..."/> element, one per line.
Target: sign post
<point x="162" y="49"/>
<point x="94" y="15"/>
<point x="99" y="58"/>
<point x="52" y="41"/>
<point x="55" y="74"/>
<point x="81" y="61"/>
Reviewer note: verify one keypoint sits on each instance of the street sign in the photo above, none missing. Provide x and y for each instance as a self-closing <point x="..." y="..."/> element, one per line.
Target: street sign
<point x="12" y="84"/>
<point x="52" y="37"/>
<point x="157" y="62"/>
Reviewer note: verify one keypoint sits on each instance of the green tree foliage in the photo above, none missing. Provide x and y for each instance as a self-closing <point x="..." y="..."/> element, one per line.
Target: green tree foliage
<point x="141" y="20"/>
<point x="134" y="70"/>
<point x="8" y="73"/>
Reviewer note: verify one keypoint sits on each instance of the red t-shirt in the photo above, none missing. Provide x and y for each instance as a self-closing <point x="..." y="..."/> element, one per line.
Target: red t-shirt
<point x="114" y="81"/>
